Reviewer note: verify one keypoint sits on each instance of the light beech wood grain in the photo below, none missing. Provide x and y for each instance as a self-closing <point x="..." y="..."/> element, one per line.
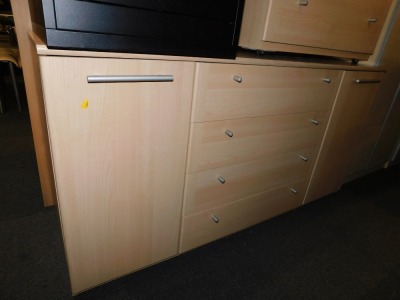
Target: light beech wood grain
<point x="336" y="28"/>
<point x="119" y="153"/>
<point x="243" y="57"/>
<point x="253" y="138"/>
<point x="368" y="136"/>
<point x="247" y="137"/>
<point x="203" y="190"/>
<point x="33" y="87"/>
<point x="263" y="91"/>
<point x="200" y="228"/>
<point x="343" y="140"/>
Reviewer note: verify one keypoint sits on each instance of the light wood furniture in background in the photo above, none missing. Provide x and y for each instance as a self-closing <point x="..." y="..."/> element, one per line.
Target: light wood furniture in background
<point x="10" y="56"/>
<point x="342" y="28"/>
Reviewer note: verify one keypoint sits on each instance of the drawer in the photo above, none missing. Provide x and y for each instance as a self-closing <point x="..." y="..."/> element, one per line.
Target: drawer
<point x="263" y="90"/>
<point x="346" y="25"/>
<point x="211" y="145"/>
<point x="215" y="187"/>
<point x="218" y="222"/>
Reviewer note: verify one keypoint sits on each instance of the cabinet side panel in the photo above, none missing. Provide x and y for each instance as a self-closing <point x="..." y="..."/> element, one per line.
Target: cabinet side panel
<point x="30" y="66"/>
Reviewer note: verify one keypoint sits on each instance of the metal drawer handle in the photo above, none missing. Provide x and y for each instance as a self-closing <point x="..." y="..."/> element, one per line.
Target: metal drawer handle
<point x="129" y="78"/>
<point x="294" y="191"/>
<point x="304" y="158"/>
<point x="238" y="78"/>
<point x="372" y="20"/>
<point x="215" y="218"/>
<point x="221" y="179"/>
<point x="327" y="80"/>
<point x="368" y="81"/>
<point x="229" y="133"/>
<point x="303" y="2"/>
<point x="315" y="122"/>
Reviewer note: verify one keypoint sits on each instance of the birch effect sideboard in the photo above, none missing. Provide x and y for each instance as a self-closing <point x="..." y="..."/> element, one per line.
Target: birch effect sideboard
<point x="156" y="155"/>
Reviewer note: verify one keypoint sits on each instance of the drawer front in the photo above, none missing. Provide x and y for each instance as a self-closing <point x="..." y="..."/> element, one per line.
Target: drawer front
<point x="289" y="22"/>
<point x="263" y="90"/>
<point x="212" y="146"/>
<point x="208" y="189"/>
<point x="218" y="222"/>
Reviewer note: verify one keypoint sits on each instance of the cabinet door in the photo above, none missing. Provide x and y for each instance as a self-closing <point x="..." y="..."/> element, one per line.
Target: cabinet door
<point x="119" y="153"/>
<point x="368" y="137"/>
<point x="346" y="25"/>
<point x="340" y="145"/>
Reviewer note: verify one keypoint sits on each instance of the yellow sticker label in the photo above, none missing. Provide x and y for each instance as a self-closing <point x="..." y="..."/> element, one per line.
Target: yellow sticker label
<point x="85" y="104"/>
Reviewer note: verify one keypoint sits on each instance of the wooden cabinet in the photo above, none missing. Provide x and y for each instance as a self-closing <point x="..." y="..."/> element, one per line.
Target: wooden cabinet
<point x="156" y="157"/>
<point x="344" y="151"/>
<point x="119" y="154"/>
<point x="344" y="28"/>
<point x="255" y="134"/>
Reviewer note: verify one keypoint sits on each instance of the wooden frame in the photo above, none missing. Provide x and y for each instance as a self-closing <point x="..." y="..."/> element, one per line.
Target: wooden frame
<point x="30" y="67"/>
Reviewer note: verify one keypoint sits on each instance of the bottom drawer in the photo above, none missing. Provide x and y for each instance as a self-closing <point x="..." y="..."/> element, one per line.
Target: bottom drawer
<point x="212" y="224"/>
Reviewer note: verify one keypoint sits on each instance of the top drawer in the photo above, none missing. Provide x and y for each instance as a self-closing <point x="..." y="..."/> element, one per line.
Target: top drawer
<point x="228" y="91"/>
<point x="347" y="25"/>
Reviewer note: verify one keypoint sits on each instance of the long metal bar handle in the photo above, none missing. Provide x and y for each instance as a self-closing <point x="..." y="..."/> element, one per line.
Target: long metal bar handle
<point x="303" y="2"/>
<point x="129" y="78"/>
<point x="367" y="81"/>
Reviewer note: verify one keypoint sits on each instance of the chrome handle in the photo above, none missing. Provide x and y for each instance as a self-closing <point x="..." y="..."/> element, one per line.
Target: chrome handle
<point x="294" y="191"/>
<point x="303" y="158"/>
<point x="327" y="80"/>
<point x="367" y="81"/>
<point x="129" y="78"/>
<point x="229" y="133"/>
<point x="372" y="20"/>
<point x="315" y="122"/>
<point x="238" y="78"/>
<point x="215" y="218"/>
<point x="303" y="2"/>
<point x="221" y="179"/>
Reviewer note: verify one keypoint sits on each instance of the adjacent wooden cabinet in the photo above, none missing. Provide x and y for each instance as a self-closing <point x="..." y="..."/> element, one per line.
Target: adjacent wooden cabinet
<point x="343" y="28"/>
<point x="119" y="155"/>
<point x="344" y="151"/>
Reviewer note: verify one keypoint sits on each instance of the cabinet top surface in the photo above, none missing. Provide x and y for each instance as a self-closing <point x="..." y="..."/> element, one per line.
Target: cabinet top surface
<point x="243" y="58"/>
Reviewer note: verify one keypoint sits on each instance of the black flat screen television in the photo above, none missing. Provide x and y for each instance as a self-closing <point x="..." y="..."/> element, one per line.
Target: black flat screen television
<point x="207" y="28"/>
